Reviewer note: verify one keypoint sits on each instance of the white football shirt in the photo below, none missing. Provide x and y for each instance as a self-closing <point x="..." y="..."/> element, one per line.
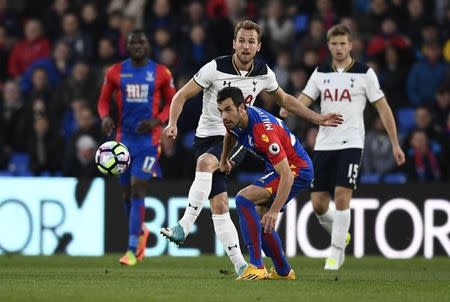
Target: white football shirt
<point x="346" y="93"/>
<point x="220" y="73"/>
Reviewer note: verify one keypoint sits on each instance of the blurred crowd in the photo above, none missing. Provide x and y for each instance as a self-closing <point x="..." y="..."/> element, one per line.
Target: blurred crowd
<point x="53" y="56"/>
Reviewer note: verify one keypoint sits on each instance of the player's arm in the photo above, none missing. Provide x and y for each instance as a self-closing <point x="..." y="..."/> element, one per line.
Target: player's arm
<point x="229" y="142"/>
<point x="292" y="105"/>
<point x="306" y="100"/>
<point x="104" y="100"/>
<point x="168" y="92"/>
<point x="188" y="91"/>
<point x="269" y="219"/>
<point x="385" y="112"/>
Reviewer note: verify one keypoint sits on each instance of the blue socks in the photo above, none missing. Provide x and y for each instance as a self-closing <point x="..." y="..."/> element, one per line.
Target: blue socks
<point x="272" y="247"/>
<point x="136" y="217"/>
<point x="250" y="226"/>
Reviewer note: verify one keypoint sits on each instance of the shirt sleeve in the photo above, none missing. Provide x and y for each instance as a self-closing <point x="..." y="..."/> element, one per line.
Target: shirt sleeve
<point x="207" y="74"/>
<point x="311" y="89"/>
<point x="106" y="92"/>
<point x="268" y="142"/>
<point x="168" y="91"/>
<point x="373" y="89"/>
<point x="271" y="82"/>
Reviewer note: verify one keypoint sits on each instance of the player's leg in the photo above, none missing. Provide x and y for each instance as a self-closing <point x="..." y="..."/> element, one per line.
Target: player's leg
<point x="272" y="247"/>
<point x="346" y="179"/>
<point x="271" y="242"/>
<point x="324" y="163"/>
<point x="250" y="225"/>
<point x="224" y="227"/>
<point x="198" y="194"/>
<point x="200" y="189"/>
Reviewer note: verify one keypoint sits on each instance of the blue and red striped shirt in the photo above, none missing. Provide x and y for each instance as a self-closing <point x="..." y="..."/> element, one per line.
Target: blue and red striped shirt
<point x="269" y="138"/>
<point x="140" y="93"/>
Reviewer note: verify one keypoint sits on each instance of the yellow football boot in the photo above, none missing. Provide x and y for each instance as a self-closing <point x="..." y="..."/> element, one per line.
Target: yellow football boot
<point x="273" y="275"/>
<point x="251" y="272"/>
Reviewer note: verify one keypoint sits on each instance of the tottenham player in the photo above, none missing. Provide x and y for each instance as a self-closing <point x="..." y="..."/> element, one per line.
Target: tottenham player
<point x="252" y="76"/>
<point x="343" y="86"/>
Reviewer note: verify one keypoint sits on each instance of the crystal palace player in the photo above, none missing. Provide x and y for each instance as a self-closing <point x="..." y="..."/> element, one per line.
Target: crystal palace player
<point x="252" y="75"/>
<point x="288" y="171"/>
<point x="343" y="86"/>
<point x="143" y="91"/>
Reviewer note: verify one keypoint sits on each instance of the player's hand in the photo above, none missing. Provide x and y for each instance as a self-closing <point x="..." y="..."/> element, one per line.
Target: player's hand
<point x="269" y="220"/>
<point x="399" y="156"/>
<point x="226" y="166"/>
<point x="107" y="125"/>
<point x="283" y="112"/>
<point x="171" y="131"/>
<point x="331" y="120"/>
<point x="146" y="126"/>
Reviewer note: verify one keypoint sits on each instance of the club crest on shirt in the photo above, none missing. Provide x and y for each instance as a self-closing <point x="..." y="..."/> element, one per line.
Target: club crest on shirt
<point x="149" y="77"/>
<point x="265" y="138"/>
<point x="274" y="148"/>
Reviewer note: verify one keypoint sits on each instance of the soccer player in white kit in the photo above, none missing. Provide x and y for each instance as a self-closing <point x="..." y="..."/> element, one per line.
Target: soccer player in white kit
<point x="343" y="86"/>
<point x="252" y="76"/>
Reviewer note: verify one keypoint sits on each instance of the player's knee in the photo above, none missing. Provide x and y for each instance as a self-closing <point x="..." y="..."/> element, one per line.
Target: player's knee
<point x="320" y="207"/>
<point x="207" y="163"/>
<point x="219" y="206"/>
<point x="138" y="191"/>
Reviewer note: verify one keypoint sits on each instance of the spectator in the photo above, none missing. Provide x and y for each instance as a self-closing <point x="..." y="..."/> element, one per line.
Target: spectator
<point x="441" y="107"/>
<point x="55" y="16"/>
<point x="315" y="39"/>
<point x="426" y="75"/>
<point x="45" y="147"/>
<point x="310" y="139"/>
<point x="57" y="68"/>
<point x="131" y="8"/>
<point x="281" y="68"/>
<point x="4" y="53"/>
<point x="80" y="162"/>
<point x="370" y="22"/>
<point x="377" y="150"/>
<point x="91" y="21"/>
<point x="197" y="51"/>
<point x="392" y="77"/>
<point x="422" y="164"/>
<point x="388" y="37"/>
<point x="195" y="16"/>
<point x="28" y="50"/>
<point x="278" y="28"/>
<point x="79" y="85"/>
<point x="158" y="14"/>
<point x="81" y="45"/>
<point x="13" y="116"/>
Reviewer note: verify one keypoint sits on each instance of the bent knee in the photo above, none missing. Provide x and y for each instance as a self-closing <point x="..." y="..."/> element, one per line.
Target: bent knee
<point x="207" y="163"/>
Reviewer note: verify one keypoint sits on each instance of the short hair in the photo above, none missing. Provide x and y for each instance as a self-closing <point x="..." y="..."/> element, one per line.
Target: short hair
<point x="234" y="93"/>
<point x="138" y="32"/>
<point x="248" y="25"/>
<point x="339" y="30"/>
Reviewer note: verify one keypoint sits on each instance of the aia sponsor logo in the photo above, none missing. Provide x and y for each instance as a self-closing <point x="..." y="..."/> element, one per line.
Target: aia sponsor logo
<point x="336" y="95"/>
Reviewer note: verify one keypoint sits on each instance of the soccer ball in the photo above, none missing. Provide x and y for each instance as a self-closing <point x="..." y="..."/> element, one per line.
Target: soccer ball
<point x="112" y="158"/>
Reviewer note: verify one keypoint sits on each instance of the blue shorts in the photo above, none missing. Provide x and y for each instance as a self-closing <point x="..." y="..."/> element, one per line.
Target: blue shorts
<point x="271" y="180"/>
<point x="144" y="163"/>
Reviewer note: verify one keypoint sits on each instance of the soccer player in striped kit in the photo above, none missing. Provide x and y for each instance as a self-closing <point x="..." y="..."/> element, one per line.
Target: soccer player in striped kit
<point x="143" y="92"/>
<point x="289" y="170"/>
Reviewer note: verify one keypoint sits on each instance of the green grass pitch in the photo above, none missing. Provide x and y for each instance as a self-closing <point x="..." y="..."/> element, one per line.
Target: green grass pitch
<point x="209" y="278"/>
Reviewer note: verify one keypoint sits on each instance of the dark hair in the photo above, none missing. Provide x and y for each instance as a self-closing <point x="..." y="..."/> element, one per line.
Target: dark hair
<point x="136" y="32"/>
<point x="248" y="25"/>
<point x="339" y="30"/>
<point x="231" y="92"/>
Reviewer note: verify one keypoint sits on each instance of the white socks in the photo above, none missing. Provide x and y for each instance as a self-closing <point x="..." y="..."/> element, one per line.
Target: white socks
<point x="228" y="236"/>
<point x="341" y="225"/>
<point x="198" y="194"/>
<point x="326" y="219"/>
